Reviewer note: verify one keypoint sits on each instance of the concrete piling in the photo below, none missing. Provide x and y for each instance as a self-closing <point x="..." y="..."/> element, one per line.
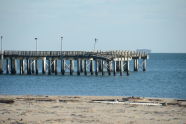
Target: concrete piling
<point x="7" y="66"/>
<point x="63" y="67"/>
<point x="114" y="67"/>
<point x="21" y="66"/>
<point x="136" y="65"/>
<point x="52" y="65"/>
<point x="121" y="67"/>
<point x="28" y="66"/>
<point x="91" y="67"/>
<point x="81" y="65"/>
<point x="128" y="67"/>
<point x="85" y="67"/>
<point x="78" y="67"/>
<point x="109" y="67"/>
<point x="44" y="65"/>
<point x="55" y="67"/>
<point x="33" y="66"/>
<point x="71" y="67"/>
<point x="102" y="67"/>
<point x="13" y="66"/>
<point x="36" y="66"/>
<point x="49" y="66"/>
<point x="117" y="66"/>
<point x="96" y="67"/>
<point x="144" y="64"/>
<point x="1" y="64"/>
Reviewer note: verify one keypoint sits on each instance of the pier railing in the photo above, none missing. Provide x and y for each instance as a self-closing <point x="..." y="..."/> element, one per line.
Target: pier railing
<point x="109" y="54"/>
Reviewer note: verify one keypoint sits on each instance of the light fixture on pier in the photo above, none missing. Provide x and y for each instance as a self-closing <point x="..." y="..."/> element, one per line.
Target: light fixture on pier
<point x="61" y="43"/>
<point x="36" y="43"/>
<point x="95" y="43"/>
<point x="1" y="43"/>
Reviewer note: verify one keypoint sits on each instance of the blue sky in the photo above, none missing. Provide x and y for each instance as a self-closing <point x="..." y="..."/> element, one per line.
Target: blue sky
<point x="159" y="25"/>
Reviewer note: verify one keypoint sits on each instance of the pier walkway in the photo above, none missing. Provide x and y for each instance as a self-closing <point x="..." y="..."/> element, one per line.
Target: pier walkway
<point x="83" y="62"/>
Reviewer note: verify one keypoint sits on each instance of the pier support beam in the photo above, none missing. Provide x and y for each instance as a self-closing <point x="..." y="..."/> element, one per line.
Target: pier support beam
<point x="114" y="67"/>
<point x="96" y="67"/>
<point x="81" y="65"/>
<point x="78" y="66"/>
<point x="85" y="67"/>
<point x="52" y="65"/>
<point x="118" y="66"/>
<point x="21" y="66"/>
<point x="7" y="66"/>
<point x="55" y="67"/>
<point x="71" y="67"/>
<point x="44" y="65"/>
<point x="91" y="67"/>
<point x="1" y="64"/>
<point x="102" y="67"/>
<point x="13" y="65"/>
<point x="63" y="67"/>
<point x="49" y="66"/>
<point x="108" y="67"/>
<point x="135" y="64"/>
<point x="33" y="66"/>
<point x="36" y="67"/>
<point x="144" y="64"/>
<point x="121" y="67"/>
<point x="28" y="67"/>
<point x="127" y="67"/>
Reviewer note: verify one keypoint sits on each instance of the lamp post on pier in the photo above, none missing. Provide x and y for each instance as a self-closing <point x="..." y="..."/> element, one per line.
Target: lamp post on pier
<point x="95" y="43"/>
<point x="1" y="43"/>
<point x="61" y="43"/>
<point x="1" y="57"/>
<point x="36" y="44"/>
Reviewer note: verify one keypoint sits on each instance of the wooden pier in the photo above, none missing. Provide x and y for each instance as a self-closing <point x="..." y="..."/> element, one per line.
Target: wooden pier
<point x="81" y="62"/>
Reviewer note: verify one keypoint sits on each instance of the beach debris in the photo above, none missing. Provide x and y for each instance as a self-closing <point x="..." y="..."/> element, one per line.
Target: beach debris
<point x="182" y="103"/>
<point x="70" y="100"/>
<point x="7" y="101"/>
<point x="132" y="101"/>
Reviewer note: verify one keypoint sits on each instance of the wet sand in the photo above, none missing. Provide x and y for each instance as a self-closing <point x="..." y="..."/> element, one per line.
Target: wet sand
<point x="90" y="109"/>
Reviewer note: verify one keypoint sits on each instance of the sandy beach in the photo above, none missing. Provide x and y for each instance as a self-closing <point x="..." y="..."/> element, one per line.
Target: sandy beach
<point x="90" y="109"/>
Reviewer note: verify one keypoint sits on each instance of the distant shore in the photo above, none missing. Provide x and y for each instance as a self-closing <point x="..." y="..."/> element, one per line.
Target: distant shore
<point x="90" y="109"/>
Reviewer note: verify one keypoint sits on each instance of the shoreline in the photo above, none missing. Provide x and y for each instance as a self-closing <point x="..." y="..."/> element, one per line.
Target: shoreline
<point x="27" y="109"/>
<point x="35" y="95"/>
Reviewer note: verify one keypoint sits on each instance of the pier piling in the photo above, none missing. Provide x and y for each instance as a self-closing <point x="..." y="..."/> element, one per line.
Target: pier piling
<point x="63" y="67"/>
<point x="71" y="67"/>
<point x="96" y="67"/>
<point x="13" y="66"/>
<point x="49" y="66"/>
<point x="85" y="67"/>
<point x="1" y="64"/>
<point x="7" y="66"/>
<point x="136" y="65"/>
<point x="78" y="67"/>
<point x="36" y="67"/>
<point x="91" y="67"/>
<point x="114" y="67"/>
<point x="44" y="65"/>
<point x="144" y="64"/>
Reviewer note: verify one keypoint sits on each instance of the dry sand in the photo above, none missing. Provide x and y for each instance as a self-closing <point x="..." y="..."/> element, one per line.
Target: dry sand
<point x="82" y="109"/>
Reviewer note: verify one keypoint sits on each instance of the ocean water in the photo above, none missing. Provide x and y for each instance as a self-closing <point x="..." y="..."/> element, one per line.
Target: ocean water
<point x="165" y="77"/>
